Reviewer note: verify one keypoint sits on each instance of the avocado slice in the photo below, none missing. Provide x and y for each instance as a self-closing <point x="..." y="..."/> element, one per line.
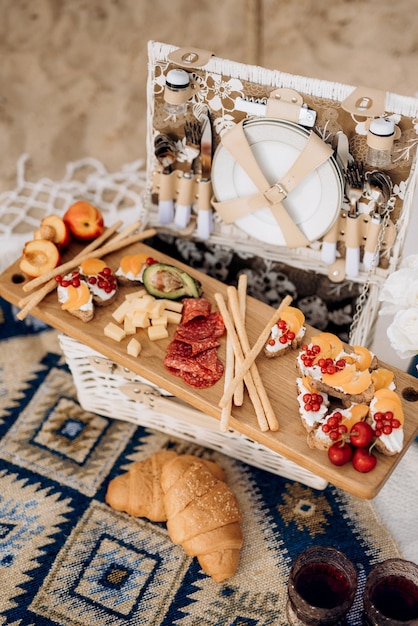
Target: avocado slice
<point x="167" y="281"/>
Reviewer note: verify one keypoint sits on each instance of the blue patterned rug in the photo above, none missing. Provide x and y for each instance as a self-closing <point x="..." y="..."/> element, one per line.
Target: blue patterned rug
<point x="66" y="558"/>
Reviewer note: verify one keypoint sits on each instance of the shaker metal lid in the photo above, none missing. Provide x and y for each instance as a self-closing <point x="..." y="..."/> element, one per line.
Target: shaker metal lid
<point x="382" y="126"/>
<point x="177" y="79"/>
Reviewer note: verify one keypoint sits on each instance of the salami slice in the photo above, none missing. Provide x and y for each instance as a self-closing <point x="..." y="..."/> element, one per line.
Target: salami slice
<point x="208" y="359"/>
<point x="179" y="348"/>
<point x="195" y="307"/>
<point x="183" y="364"/>
<point x="200" y="382"/>
<point x="201" y="328"/>
<point x="192" y="354"/>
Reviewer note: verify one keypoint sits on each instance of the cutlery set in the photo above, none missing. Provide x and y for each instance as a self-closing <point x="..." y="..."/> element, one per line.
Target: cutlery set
<point x="189" y="158"/>
<point x="358" y="228"/>
<point x="193" y="150"/>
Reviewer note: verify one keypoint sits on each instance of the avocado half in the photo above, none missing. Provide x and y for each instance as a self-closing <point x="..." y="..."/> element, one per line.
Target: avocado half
<point x="167" y="281"/>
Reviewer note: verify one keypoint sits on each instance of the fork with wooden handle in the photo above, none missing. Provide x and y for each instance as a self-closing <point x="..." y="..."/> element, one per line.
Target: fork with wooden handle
<point x="185" y="197"/>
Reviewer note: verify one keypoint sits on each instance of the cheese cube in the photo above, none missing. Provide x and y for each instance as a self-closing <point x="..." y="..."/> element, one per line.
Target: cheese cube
<point x="134" y="347"/>
<point x="159" y="321"/>
<point x="173" y="305"/>
<point x="120" y="313"/>
<point x="140" y="319"/>
<point x="136" y="294"/>
<point x="143" y="304"/>
<point x="114" y="332"/>
<point x="157" y="309"/>
<point x="157" y="332"/>
<point x="128" y="326"/>
<point x="173" y="317"/>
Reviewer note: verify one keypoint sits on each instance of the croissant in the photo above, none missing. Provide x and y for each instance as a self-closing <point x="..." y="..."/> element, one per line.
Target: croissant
<point x="203" y="514"/>
<point x="138" y="492"/>
<point x="191" y="495"/>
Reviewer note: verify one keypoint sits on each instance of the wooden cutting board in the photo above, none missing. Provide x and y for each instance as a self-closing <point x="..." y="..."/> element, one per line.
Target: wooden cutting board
<point x="278" y="375"/>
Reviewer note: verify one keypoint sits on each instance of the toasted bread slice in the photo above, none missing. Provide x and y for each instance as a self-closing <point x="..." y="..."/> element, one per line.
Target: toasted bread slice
<point x="347" y="398"/>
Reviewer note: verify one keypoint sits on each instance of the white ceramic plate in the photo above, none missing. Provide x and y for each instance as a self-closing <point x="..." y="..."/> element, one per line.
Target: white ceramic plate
<point x="313" y="205"/>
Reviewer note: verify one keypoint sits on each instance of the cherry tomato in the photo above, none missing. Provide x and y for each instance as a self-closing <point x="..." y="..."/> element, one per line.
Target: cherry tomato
<point x="361" y="435"/>
<point x="363" y="460"/>
<point x="340" y="453"/>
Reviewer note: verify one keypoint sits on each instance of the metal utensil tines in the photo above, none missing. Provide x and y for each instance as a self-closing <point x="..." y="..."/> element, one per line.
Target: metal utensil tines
<point x="354" y="189"/>
<point x="166" y="153"/>
<point x="192" y="135"/>
<point x="354" y="185"/>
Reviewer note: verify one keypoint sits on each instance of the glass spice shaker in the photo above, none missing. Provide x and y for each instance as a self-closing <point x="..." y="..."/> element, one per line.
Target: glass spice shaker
<point x="380" y="137"/>
<point x="321" y="588"/>
<point x="177" y="92"/>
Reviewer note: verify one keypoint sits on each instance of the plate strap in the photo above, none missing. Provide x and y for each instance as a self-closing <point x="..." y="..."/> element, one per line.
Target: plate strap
<point x="314" y="153"/>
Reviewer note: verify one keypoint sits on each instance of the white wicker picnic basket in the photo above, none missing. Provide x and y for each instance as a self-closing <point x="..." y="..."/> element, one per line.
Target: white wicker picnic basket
<point x="103" y="386"/>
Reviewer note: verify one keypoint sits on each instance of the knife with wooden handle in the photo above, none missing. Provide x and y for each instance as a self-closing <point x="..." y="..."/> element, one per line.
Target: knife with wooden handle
<point x="330" y="239"/>
<point x="204" y="208"/>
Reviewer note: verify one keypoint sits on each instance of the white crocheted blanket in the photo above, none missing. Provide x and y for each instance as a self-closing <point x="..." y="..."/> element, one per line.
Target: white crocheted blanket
<point x="119" y="195"/>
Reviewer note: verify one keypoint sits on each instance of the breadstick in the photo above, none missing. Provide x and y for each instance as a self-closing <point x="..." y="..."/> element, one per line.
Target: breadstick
<point x="245" y="345"/>
<point x="229" y="374"/>
<point x="128" y="230"/>
<point x="242" y="299"/>
<point x="248" y="379"/>
<point x="40" y="280"/>
<point x="31" y="301"/>
<point x="254" y="352"/>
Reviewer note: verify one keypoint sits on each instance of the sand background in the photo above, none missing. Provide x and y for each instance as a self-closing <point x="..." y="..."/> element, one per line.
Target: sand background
<point x="73" y="72"/>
